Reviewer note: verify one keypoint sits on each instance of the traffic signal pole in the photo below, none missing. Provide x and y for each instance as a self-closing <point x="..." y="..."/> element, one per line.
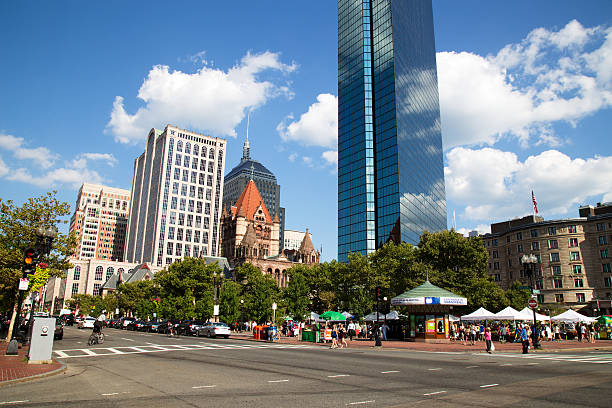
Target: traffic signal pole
<point x="28" y="266"/>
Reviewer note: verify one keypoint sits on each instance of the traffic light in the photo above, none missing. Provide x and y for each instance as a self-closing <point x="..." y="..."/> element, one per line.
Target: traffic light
<point x="29" y="261"/>
<point x="378" y="293"/>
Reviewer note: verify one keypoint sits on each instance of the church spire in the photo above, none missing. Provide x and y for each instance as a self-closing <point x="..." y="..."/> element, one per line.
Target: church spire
<point x="246" y="149"/>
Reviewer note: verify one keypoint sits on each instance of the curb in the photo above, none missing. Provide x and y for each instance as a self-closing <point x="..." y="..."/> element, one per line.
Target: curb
<point x="59" y="370"/>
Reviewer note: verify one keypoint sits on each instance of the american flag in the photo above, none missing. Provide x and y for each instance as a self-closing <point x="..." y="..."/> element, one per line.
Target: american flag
<point x="535" y="203"/>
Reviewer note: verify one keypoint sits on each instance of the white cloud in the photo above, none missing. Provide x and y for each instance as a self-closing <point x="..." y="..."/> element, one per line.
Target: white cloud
<point x="292" y="157"/>
<point x="317" y="127"/>
<point x="480" y="228"/>
<point x="330" y="156"/>
<point x="66" y="176"/>
<point x="210" y="100"/>
<point x="307" y="161"/>
<point x="550" y="76"/>
<point x="3" y="168"/>
<point x="105" y="157"/>
<point x="40" y="156"/>
<point x="495" y="184"/>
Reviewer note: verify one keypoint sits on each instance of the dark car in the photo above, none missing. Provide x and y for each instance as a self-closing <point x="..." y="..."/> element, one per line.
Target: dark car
<point x="124" y="321"/>
<point x="189" y="327"/>
<point x="154" y="327"/>
<point x="67" y="319"/>
<point x="135" y="325"/>
<point x="59" y="328"/>
<point x="163" y="328"/>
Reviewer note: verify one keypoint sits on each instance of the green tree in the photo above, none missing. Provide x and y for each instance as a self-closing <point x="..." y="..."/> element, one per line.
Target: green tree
<point x="135" y="298"/>
<point x="319" y="279"/>
<point x="259" y="291"/>
<point x="517" y="297"/>
<point x="229" y="302"/>
<point x="296" y="293"/>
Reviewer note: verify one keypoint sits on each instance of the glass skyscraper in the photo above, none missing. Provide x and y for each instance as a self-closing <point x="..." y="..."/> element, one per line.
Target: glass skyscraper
<point x="390" y="166"/>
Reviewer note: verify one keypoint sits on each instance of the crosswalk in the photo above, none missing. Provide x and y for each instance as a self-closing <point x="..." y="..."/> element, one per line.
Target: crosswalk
<point x="595" y="358"/>
<point x="157" y="348"/>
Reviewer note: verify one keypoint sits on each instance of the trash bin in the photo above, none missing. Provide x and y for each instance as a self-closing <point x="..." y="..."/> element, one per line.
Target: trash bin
<point x="264" y="333"/>
<point x="257" y="332"/>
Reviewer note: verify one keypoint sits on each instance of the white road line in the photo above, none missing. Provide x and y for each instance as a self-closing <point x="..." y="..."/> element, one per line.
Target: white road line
<point x="389" y="372"/>
<point x="533" y="363"/>
<point x="123" y="338"/>
<point x="435" y="393"/>
<point x="61" y="354"/>
<point x="338" y="375"/>
<point x="277" y="381"/>
<point x="140" y="349"/>
<point x="13" y="402"/>
<point x="90" y="352"/>
<point x="111" y="393"/>
<point x="507" y="364"/>
<point x="433" y="369"/>
<point x="361" y="402"/>
<point x="203" y="386"/>
<point x="114" y="350"/>
<point x="489" y="385"/>
<point x="472" y="366"/>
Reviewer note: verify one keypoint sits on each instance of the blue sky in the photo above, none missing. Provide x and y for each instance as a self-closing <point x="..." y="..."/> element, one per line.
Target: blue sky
<point x="525" y="93"/>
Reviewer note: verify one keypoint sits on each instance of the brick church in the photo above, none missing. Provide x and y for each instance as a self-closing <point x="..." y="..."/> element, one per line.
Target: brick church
<point x="250" y="234"/>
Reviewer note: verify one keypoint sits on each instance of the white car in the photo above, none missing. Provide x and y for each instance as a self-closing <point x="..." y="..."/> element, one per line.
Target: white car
<point x="214" y="329"/>
<point x="87" y="323"/>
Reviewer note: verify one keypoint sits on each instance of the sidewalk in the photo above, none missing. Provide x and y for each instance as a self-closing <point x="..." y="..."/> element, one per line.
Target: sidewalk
<point x="547" y="347"/>
<point x="16" y="368"/>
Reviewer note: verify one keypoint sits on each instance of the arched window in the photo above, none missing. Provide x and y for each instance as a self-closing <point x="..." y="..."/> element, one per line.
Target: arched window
<point x="187" y="148"/>
<point x="179" y="146"/>
<point x="203" y="153"/>
<point x="211" y="154"/>
<point x="109" y="272"/>
<point x="196" y="150"/>
<point x="77" y="273"/>
<point x="99" y="271"/>
<point x="269" y="271"/>
<point x="120" y="270"/>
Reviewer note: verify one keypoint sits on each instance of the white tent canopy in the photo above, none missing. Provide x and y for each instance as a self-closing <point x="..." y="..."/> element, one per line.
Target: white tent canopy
<point x="540" y="317"/>
<point x="571" y="316"/>
<point x="509" y="313"/>
<point x="347" y="315"/>
<point x="393" y="315"/>
<point x="480" y="314"/>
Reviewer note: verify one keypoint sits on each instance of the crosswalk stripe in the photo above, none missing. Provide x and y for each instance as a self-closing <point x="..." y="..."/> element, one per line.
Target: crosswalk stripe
<point x="600" y="359"/>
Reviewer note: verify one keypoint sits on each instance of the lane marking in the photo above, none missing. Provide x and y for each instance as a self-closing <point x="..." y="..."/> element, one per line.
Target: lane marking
<point x="507" y="364"/>
<point x="389" y="372"/>
<point x="114" y="350"/>
<point x="277" y="381"/>
<point x="61" y="354"/>
<point x="472" y="366"/>
<point x="435" y="393"/>
<point x="90" y="352"/>
<point x="13" y="402"/>
<point x="489" y="385"/>
<point x="533" y="363"/>
<point x="111" y="393"/>
<point x="203" y="386"/>
<point x="433" y="369"/>
<point x="338" y="375"/>
<point x="123" y="338"/>
<point x="361" y="402"/>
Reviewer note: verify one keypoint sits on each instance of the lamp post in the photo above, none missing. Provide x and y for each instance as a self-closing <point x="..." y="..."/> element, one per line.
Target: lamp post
<point x="215" y="297"/>
<point x="241" y="313"/>
<point x="529" y="265"/>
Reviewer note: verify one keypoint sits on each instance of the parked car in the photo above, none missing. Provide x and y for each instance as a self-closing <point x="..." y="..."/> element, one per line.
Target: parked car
<point x="125" y="321"/>
<point x="59" y="329"/>
<point x="163" y="328"/>
<point x="135" y="325"/>
<point x="154" y="327"/>
<point x="189" y="327"/>
<point x="214" y="329"/>
<point x="67" y="319"/>
<point x="112" y="323"/>
<point x="86" y="323"/>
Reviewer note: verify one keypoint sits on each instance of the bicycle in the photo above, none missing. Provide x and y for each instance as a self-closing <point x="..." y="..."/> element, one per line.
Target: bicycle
<point x="95" y="338"/>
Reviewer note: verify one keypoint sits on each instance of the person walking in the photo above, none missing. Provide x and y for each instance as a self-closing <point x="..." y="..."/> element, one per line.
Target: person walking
<point x="351" y="330"/>
<point x="524" y="339"/>
<point x="334" y="336"/>
<point x="487" y="338"/>
<point x="342" y="336"/>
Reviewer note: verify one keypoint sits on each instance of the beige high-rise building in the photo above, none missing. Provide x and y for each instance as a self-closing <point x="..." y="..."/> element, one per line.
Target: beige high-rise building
<point x="573" y="256"/>
<point x="176" y="197"/>
<point x="100" y="222"/>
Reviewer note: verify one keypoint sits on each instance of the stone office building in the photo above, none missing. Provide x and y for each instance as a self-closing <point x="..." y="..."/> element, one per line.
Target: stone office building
<point x="574" y="257"/>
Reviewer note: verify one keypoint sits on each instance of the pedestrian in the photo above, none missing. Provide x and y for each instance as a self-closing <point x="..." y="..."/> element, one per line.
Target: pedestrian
<point x="472" y="335"/>
<point x="351" y="329"/>
<point x="524" y="336"/>
<point x="487" y="338"/>
<point x="342" y="336"/>
<point x="384" y="330"/>
<point x="583" y="332"/>
<point x="334" y="336"/>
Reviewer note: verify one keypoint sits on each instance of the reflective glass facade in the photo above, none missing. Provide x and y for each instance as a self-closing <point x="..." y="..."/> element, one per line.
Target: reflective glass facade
<point x="390" y="167"/>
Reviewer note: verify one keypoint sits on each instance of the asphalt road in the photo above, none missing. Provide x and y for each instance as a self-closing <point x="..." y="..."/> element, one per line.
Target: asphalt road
<point x="149" y="370"/>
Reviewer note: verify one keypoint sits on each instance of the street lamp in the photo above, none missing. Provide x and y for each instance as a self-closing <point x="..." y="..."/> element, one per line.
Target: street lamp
<point x="241" y="313"/>
<point x="529" y="265"/>
<point x="215" y="297"/>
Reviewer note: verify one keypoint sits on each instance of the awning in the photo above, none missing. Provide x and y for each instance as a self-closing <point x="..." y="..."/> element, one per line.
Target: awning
<point x="571" y="316"/>
<point x="428" y="294"/>
<point x="480" y="314"/>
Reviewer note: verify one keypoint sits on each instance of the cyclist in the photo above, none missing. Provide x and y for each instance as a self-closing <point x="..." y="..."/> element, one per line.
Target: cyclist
<point x="99" y="323"/>
<point x="170" y="328"/>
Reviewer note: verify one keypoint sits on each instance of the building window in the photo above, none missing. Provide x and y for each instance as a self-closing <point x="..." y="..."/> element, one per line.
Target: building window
<point x="495" y="253"/>
<point x="603" y="253"/>
<point x="580" y="298"/>
<point x="603" y="240"/>
<point x="535" y="246"/>
<point x="579" y="283"/>
<point x="606" y="268"/>
<point x="77" y="273"/>
<point x="559" y="297"/>
<point x="556" y="269"/>
<point x="573" y="242"/>
<point x="109" y="272"/>
<point x="553" y="244"/>
<point x="552" y="230"/>
<point x="519" y="248"/>
<point x="519" y="236"/>
<point x="494" y="242"/>
<point x="601" y="226"/>
<point x="577" y="269"/>
<point x="99" y="271"/>
<point x="96" y="289"/>
<point x="571" y="229"/>
<point x="538" y="284"/>
<point x="75" y="289"/>
<point x="496" y="266"/>
<point x="608" y="282"/>
<point x="534" y="233"/>
<point x="575" y="256"/>
<point x="497" y="277"/>
<point x="540" y="298"/>
<point x="554" y="257"/>
<point x="558" y="283"/>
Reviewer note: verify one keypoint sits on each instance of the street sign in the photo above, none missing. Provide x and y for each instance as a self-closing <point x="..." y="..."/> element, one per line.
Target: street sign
<point x="532" y="303"/>
<point x="23" y="283"/>
<point x="273" y="306"/>
<point x="216" y="310"/>
<point x="524" y="287"/>
<point x="536" y="291"/>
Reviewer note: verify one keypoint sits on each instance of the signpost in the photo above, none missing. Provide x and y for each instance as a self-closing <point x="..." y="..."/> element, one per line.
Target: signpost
<point x="532" y="303"/>
<point x="273" y="312"/>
